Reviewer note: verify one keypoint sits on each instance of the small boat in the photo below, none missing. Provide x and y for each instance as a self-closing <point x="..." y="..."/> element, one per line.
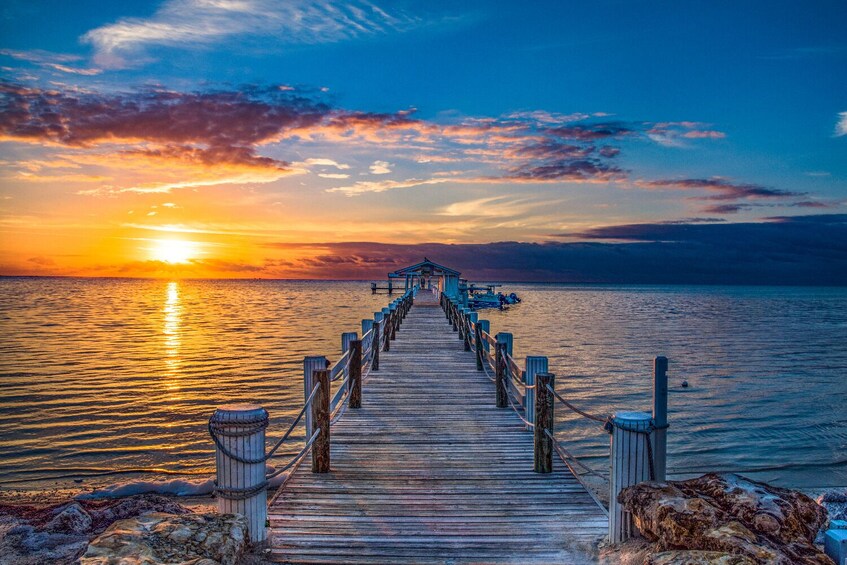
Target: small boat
<point x="488" y="297"/>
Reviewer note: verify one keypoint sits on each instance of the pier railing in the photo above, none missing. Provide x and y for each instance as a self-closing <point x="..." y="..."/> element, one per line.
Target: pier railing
<point x="638" y="446"/>
<point x="238" y="431"/>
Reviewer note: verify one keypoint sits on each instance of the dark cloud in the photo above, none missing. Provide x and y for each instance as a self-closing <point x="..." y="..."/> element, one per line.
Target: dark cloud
<point x="798" y="250"/>
<point x="723" y="189"/>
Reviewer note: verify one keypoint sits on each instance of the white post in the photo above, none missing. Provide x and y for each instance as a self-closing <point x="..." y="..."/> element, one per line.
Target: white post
<point x="485" y="326"/>
<point x="311" y="364"/>
<point x="630" y="466"/>
<point x="346" y="338"/>
<point x="534" y="366"/>
<point x="510" y="343"/>
<point x="660" y="417"/>
<point x="241" y="488"/>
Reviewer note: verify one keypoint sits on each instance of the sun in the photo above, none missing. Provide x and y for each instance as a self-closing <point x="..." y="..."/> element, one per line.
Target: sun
<point x="174" y="250"/>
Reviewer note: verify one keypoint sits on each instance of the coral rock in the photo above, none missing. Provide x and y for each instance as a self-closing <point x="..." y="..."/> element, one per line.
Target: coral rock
<point x="728" y="514"/>
<point x="207" y="539"/>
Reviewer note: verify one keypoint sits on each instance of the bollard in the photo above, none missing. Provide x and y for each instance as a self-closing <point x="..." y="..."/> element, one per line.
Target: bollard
<point x="534" y="366"/>
<point x="501" y="368"/>
<point x="367" y="325"/>
<point x="241" y="488"/>
<point x="354" y="385"/>
<point x="472" y="318"/>
<point x="386" y="328"/>
<point x="375" y="346"/>
<point x="478" y="345"/>
<point x="660" y="417"/>
<point x="544" y="408"/>
<point x="346" y="339"/>
<point x="454" y="309"/>
<point x="320" y="418"/>
<point x="310" y="365"/>
<point x="630" y="466"/>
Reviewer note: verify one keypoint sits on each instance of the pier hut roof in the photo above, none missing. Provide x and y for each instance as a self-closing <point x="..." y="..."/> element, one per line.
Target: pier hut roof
<point x="426" y="266"/>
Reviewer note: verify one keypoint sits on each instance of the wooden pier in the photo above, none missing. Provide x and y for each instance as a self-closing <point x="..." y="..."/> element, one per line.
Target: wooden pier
<point x="429" y="470"/>
<point x="430" y="443"/>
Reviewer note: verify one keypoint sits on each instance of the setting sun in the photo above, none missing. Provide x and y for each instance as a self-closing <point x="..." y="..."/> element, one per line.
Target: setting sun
<point x="174" y="250"/>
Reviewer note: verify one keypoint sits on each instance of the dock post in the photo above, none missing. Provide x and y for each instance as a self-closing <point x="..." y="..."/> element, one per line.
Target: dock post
<point x="346" y="339"/>
<point x="395" y="320"/>
<point x="535" y="365"/>
<point x="320" y="418"/>
<point x="471" y="320"/>
<point x="660" y="417"/>
<point x="354" y="385"/>
<point x="367" y="325"/>
<point x="239" y="429"/>
<point x="386" y="328"/>
<point x="544" y="410"/>
<point x="373" y="288"/>
<point x="375" y="346"/>
<point x="630" y="466"/>
<point x="502" y="367"/>
<point x="478" y="343"/>
<point x="310" y="365"/>
<point x="463" y="324"/>
<point x="510" y="343"/>
<point x="454" y="309"/>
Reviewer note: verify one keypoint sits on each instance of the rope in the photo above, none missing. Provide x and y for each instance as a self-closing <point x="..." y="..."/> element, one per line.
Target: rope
<point x="296" y="457"/>
<point x="611" y="423"/>
<point x="296" y="420"/>
<point x="338" y="370"/>
<point x="565" y="454"/>
<point x="575" y="409"/>
<point x="515" y="408"/>
<point x="239" y="493"/>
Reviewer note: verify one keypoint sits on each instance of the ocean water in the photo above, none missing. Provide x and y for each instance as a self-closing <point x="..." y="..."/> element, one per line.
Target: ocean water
<point x="108" y="381"/>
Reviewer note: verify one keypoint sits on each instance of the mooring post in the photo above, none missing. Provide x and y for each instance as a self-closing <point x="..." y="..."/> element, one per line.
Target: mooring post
<point x="346" y="339"/>
<point x="320" y="417"/>
<point x="367" y="325"/>
<point x="455" y="309"/>
<point x="660" y="417"/>
<point x="310" y="365"/>
<point x="395" y="320"/>
<point x="630" y="466"/>
<point x="376" y="345"/>
<point x="463" y="324"/>
<point x="241" y="488"/>
<point x="386" y="328"/>
<point x="544" y="409"/>
<point x="354" y="385"/>
<point x="471" y="337"/>
<point x="501" y="366"/>
<point x="535" y="365"/>
<point x="477" y="336"/>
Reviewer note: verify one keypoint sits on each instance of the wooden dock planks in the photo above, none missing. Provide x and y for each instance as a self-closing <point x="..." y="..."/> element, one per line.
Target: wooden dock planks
<point x="428" y="470"/>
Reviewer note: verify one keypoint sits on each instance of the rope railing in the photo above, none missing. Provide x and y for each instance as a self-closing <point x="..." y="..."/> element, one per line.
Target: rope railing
<point x="531" y="393"/>
<point x="338" y="370"/>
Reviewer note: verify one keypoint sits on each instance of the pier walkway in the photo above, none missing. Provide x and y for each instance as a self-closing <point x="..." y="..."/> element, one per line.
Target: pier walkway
<point x="429" y="470"/>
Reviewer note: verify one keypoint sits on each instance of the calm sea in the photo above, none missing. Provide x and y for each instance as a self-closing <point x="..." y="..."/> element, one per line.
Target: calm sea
<point x="108" y="381"/>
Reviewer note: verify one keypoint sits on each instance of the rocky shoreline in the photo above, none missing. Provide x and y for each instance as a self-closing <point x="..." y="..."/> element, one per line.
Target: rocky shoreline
<point x="719" y="519"/>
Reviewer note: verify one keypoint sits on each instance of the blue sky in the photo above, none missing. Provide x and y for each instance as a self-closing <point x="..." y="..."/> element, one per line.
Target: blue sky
<point x="463" y="122"/>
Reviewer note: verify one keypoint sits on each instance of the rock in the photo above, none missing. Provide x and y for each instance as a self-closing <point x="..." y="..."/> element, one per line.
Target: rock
<point x="728" y="514"/>
<point x="70" y="520"/>
<point x="689" y="557"/>
<point x="195" y="539"/>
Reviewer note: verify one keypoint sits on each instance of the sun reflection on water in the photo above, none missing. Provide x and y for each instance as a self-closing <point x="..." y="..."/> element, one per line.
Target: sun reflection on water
<point x="171" y="330"/>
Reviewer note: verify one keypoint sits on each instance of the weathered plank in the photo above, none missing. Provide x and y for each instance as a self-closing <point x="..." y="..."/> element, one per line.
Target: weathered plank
<point x="429" y="470"/>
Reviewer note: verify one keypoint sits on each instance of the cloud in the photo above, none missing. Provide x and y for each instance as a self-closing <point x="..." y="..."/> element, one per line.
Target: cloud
<point x="841" y="124"/>
<point x="363" y="187"/>
<point x="723" y="190"/>
<point x="796" y="250"/>
<point x="380" y="168"/>
<point x="674" y="134"/>
<point x="192" y="23"/>
<point x="323" y="162"/>
<point x="49" y="60"/>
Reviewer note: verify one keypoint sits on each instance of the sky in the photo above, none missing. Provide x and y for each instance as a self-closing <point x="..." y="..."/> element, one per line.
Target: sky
<point x="596" y="141"/>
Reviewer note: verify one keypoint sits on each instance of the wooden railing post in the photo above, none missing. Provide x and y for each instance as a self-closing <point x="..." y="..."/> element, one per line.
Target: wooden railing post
<point x="386" y="329"/>
<point x="455" y="315"/>
<point x="469" y="337"/>
<point x="544" y="409"/>
<point x="630" y="466"/>
<point x="535" y="365"/>
<point x="376" y="346"/>
<point x="241" y="487"/>
<point x="478" y="344"/>
<point x="367" y="325"/>
<point x="354" y="385"/>
<point x="502" y="368"/>
<point x="463" y="326"/>
<point x="320" y="418"/>
<point x="310" y="365"/>
<point x="395" y="320"/>
<point x="660" y="417"/>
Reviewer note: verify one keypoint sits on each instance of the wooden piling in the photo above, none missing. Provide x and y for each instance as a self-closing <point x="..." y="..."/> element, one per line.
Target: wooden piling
<point x="470" y="334"/>
<point x="478" y="345"/>
<point x="320" y="418"/>
<point x="346" y="339"/>
<point x="534" y="366"/>
<point x="375" y="346"/>
<point x="630" y="466"/>
<point x="386" y="328"/>
<point x="544" y="409"/>
<point x="501" y="370"/>
<point x="241" y="488"/>
<point x="354" y="385"/>
<point x="660" y="417"/>
<point x="310" y="365"/>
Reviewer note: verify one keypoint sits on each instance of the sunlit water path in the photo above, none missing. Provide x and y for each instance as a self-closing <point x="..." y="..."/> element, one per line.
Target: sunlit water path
<point x="105" y="381"/>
